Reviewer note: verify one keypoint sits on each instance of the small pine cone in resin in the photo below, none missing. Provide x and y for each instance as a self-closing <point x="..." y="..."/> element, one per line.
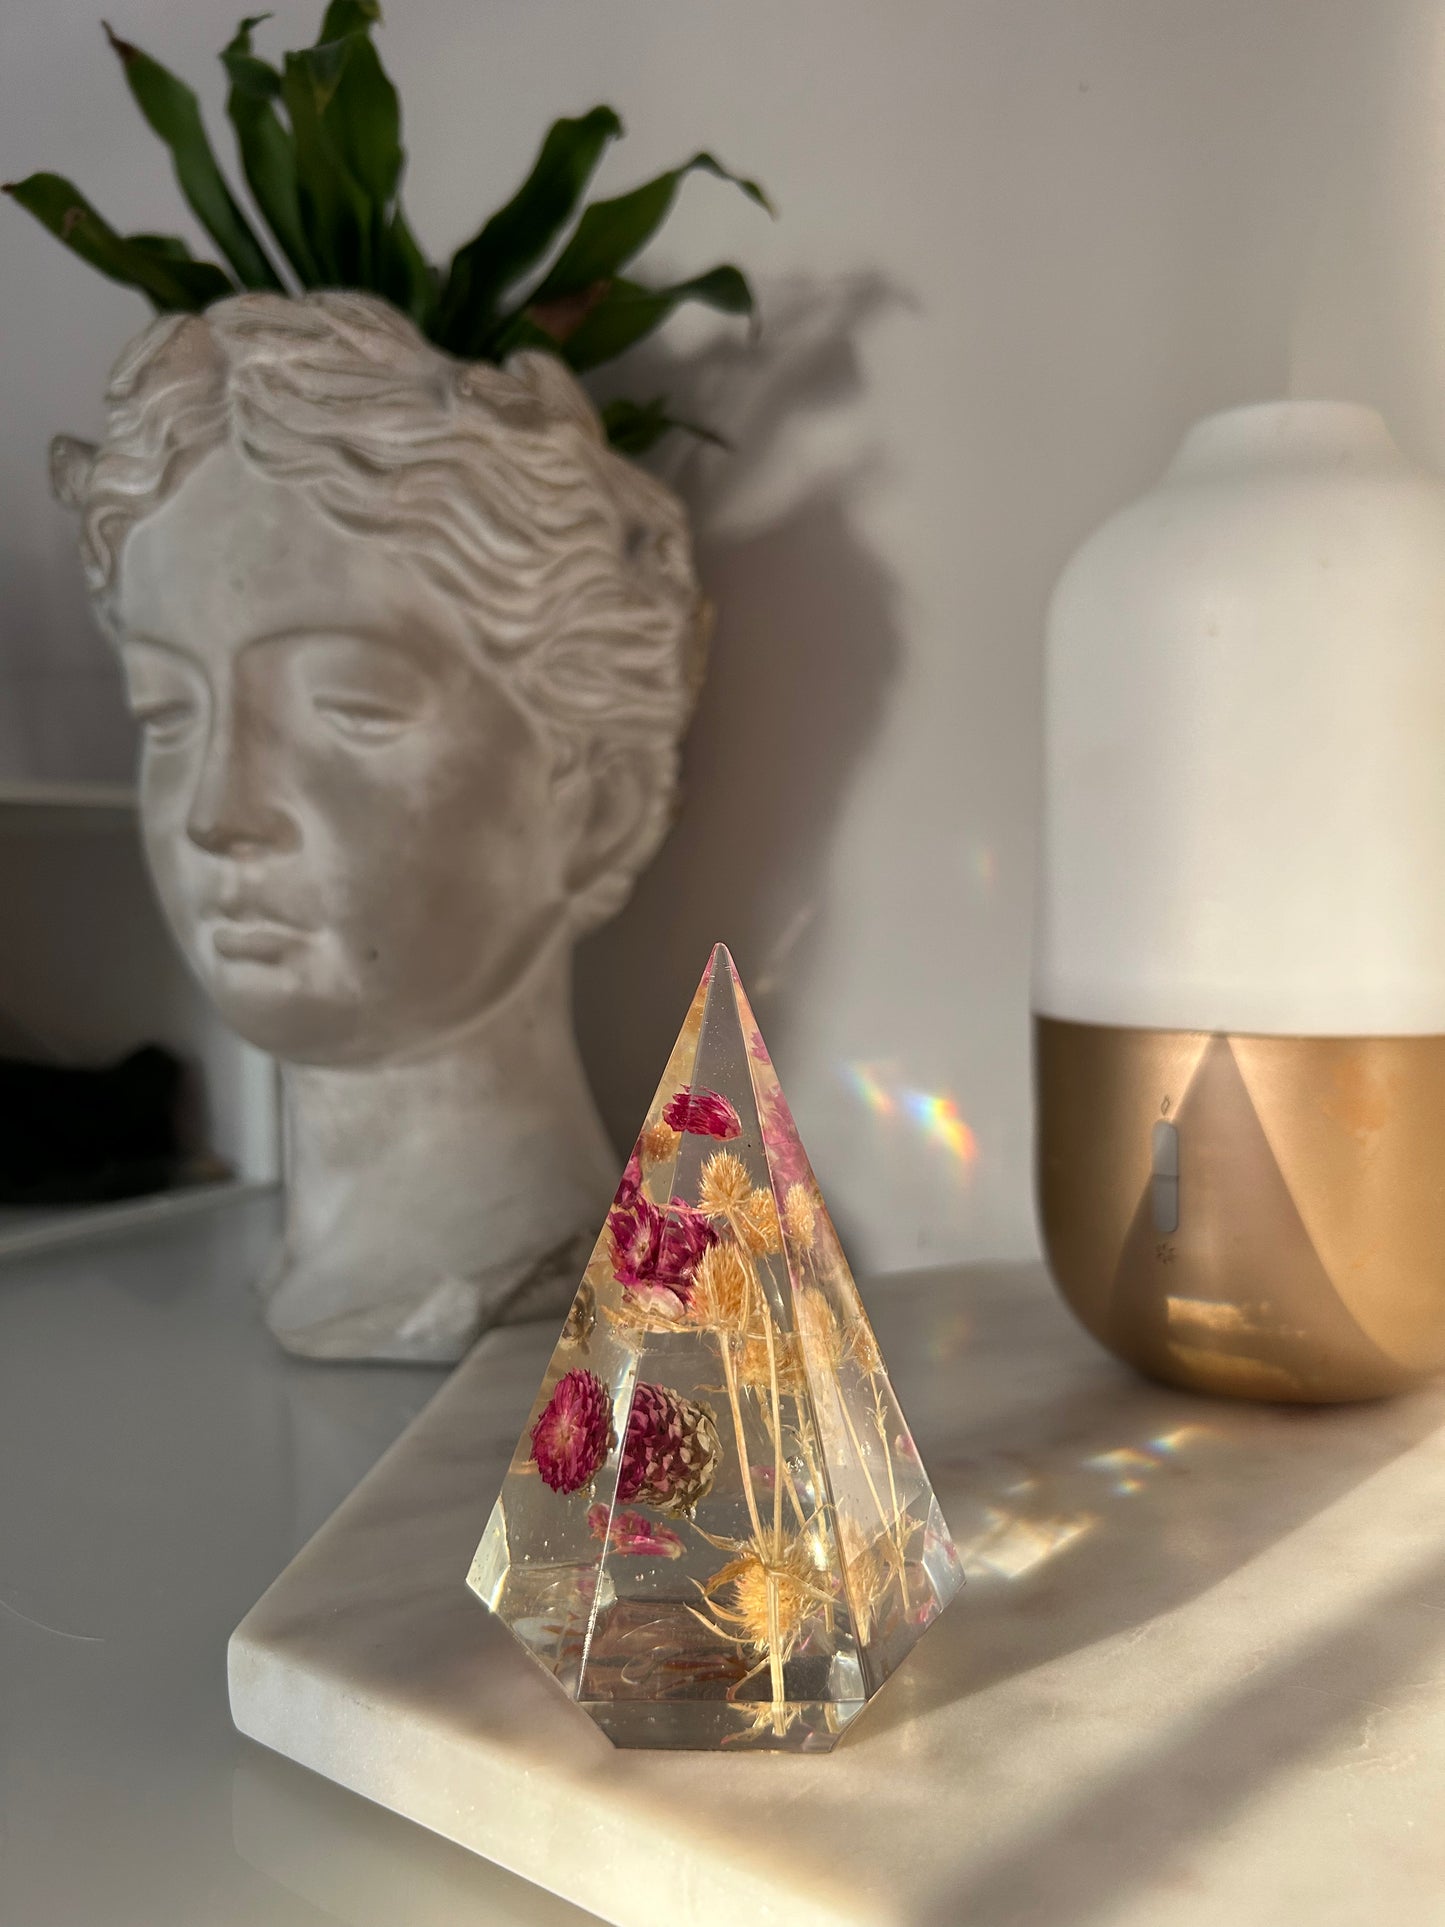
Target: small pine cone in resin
<point x="671" y="1451"/>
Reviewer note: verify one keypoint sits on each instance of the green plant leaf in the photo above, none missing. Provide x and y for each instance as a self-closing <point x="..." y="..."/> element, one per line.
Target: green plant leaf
<point x="518" y="235"/>
<point x="363" y="119"/>
<point x="612" y="233"/>
<point x="346" y="119"/>
<point x="159" y="266"/>
<point x="363" y="116"/>
<point x="255" y="78"/>
<point x="629" y="312"/>
<point x="407" y="278"/>
<point x="336" y="212"/>
<point x="203" y="280"/>
<point x="633" y="427"/>
<point x="348" y="16"/>
<point x="267" y="150"/>
<point x="175" y="116"/>
<point x="521" y="333"/>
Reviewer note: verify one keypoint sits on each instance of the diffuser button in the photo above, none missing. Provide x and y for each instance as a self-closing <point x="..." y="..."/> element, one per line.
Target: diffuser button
<point x="1164" y="1184"/>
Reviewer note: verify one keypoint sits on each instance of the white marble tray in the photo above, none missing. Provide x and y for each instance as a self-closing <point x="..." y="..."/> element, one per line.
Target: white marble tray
<point x="1198" y="1674"/>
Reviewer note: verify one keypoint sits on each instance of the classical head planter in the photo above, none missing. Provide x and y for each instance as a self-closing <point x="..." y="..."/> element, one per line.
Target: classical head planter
<point x="412" y="651"/>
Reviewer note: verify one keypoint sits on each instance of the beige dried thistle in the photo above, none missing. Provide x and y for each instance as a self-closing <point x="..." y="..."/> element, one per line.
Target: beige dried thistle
<point x="756" y="1368"/>
<point x="819" y="1327"/>
<point x="767" y="1587"/>
<point x="756" y="1223"/>
<point x="800" y="1215"/>
<point x="659" y="1143"/>
<point x="724" y="1187"/>
<point x="722" y="1290"/>
<point x="862" y="1347"/>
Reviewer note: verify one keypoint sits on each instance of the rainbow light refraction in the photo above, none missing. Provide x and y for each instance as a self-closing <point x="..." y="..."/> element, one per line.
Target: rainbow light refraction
<point x="940" y="1118"/>
<point x="935" y="1113"/>
<point x="871" y="1091"/>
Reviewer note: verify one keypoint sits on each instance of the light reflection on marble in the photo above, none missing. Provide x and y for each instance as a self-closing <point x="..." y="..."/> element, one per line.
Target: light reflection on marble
<point x="1193" y="1677"/>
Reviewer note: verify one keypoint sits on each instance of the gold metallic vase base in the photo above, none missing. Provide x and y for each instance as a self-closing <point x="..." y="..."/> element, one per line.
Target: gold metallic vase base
<point x="1258" y="1217"/>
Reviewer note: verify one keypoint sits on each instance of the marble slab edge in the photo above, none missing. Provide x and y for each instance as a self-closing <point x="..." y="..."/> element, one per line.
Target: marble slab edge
<point x="1195" y="1676"/>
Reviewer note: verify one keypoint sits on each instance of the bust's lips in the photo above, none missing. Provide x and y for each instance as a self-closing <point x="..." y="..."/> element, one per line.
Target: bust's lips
<point x="254" y="939"/>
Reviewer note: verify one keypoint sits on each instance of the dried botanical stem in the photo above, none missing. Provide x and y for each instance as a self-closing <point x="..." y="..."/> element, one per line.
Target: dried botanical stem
<point x="775" y="1653"/>
<point x="730" y="1379"/>
<point x="881" y="1427"/>
<point x="777" y="1425"/>
<point x="775" y="1658"/>
<point x="887" y="1523"/>
<point x="820" y="1504"/>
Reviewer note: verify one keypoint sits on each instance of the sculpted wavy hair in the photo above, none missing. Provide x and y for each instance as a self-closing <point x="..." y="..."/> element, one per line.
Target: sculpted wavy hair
<point x="573" y="567"/>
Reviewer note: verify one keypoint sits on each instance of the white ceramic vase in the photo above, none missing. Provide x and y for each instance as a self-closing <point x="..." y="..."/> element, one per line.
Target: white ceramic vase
<point x="412" y="652"/>
<point x="1240" y="967"/>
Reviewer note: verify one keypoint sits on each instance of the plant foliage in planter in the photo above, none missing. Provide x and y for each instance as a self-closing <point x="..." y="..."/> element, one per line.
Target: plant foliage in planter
<point x="319" y="140"/>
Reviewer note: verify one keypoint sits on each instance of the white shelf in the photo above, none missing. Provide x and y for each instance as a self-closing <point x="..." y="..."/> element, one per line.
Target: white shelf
<point x="27" y="806"/>
<point x="88" y="971"/>
<point x="32" y="1228"/>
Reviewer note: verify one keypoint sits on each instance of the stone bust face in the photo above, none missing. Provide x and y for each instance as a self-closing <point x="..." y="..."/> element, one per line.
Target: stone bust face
<point x="411" y="650"/>
<point x="350" y="824"/>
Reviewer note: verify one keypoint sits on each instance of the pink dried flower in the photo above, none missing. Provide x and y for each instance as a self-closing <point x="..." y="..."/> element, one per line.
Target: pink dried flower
<point x="629" y="1187"/>
<point x="633" y="1535"/>
<point x="704" y="1114"/>
<point x="656" y="1249"/>
<point x="787" y="1159"/>
<point x="574" y="1433"/>
<point x="671" y="1451"/>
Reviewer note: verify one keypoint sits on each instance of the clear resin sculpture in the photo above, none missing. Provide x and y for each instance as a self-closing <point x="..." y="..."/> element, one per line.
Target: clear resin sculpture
<point x="716" y="1529"/>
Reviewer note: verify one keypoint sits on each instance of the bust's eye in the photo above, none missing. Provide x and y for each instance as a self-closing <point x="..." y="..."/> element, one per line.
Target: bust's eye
<point x="362" y="719"/>
<point x="165" y="719"/>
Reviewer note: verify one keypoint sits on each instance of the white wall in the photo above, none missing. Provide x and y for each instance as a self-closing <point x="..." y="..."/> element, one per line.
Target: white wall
<point x="1022" y="244"/>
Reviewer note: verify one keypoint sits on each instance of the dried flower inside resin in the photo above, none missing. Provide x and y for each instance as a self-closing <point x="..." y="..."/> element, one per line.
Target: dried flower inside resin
<point x="725" y="1187"/>
<point x="574" y="1432"/>
<point x="659" y="1143"/>
<point x="862" y="1347"/>
<point x="787" y="1160"/>
<point x="756" y="1223"/>
<point x="629" y="1188"/>
<point x="799" y="1215"/>
<point x="819" y="1327"/>
<point x="583" y="1316"/>
<point x="703" y="1114"/>
<point x="872" y="1566"/>
<point x="722" y="1290"/>
<point x="756" y="1366"/>
<point x="656" y="1249"/>
<point x="750" y="1546"/>
<point x="768" y="1592"/>
<point x="671" y="1451"/>
<point x="633" y="1535"/>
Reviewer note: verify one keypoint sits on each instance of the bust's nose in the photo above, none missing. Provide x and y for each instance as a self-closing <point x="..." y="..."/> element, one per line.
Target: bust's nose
<point x="236" y="808"/>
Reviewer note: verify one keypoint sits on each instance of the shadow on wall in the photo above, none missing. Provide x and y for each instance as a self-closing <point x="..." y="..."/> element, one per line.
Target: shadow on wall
<point x="805" y="649"/>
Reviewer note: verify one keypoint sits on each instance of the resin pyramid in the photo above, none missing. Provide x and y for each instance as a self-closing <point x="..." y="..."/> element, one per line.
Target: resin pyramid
<point x="715" y="1530"/>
